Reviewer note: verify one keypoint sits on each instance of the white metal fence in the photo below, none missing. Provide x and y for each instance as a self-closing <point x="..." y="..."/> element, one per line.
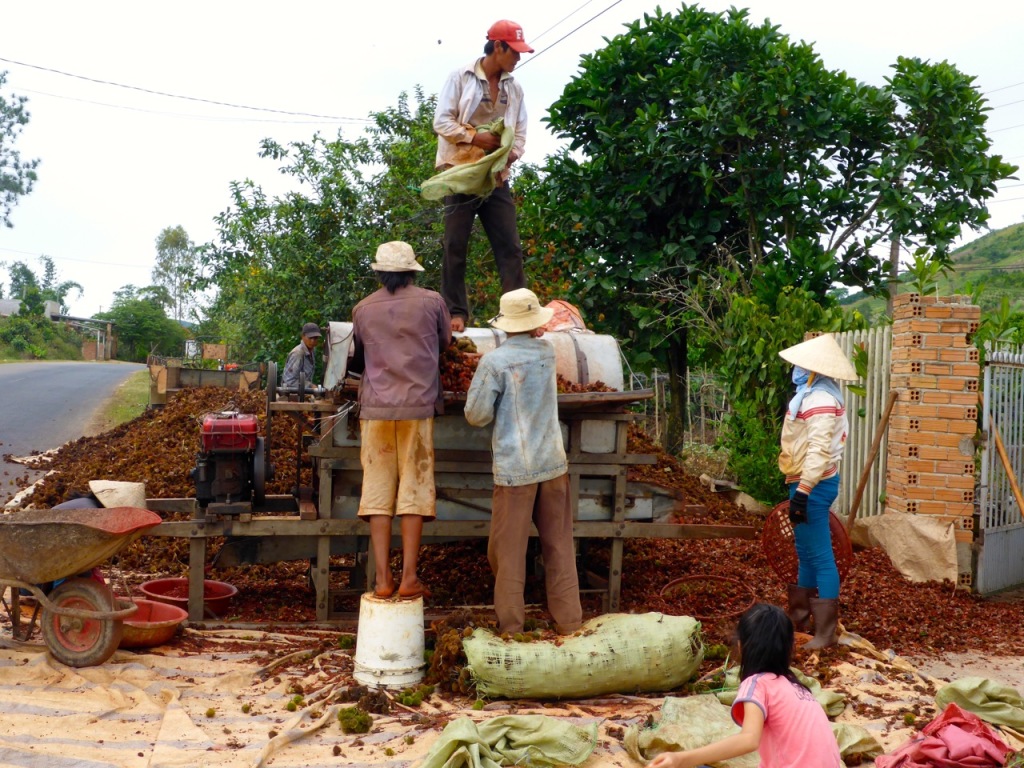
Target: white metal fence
<point x="864" y="414"/>
<point x="1000" y="543"/>
<point x="708" y="405"/>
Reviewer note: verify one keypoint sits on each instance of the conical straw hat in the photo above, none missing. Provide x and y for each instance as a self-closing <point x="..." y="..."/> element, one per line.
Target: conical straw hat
<point x="823" y="356"/>
<point x="116" y="493"/>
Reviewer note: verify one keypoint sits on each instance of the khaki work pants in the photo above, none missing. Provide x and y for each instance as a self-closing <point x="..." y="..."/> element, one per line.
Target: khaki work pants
<point x="548" y="506"/>
<point x="398" y="467"/>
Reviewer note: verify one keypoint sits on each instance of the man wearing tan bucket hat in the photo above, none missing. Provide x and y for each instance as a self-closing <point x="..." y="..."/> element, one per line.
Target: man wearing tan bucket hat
<point x="398" y="335"/>
<point x="813" y="437"/>
<point x="515" y="387"/>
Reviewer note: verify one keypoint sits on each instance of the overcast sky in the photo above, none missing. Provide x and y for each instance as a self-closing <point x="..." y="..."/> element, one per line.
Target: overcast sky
<point x="118" y="164"/>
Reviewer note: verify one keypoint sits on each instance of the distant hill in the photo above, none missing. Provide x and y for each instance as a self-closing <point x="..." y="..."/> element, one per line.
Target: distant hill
<point x="995" y="261"/>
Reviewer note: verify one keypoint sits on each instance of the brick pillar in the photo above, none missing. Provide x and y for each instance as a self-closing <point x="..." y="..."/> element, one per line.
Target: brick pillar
<point x="935" y="371"/>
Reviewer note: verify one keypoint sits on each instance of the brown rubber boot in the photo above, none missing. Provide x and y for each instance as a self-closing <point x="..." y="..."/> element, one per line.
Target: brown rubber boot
<point x="800" y="606"/>
<point x="826" y="616"/>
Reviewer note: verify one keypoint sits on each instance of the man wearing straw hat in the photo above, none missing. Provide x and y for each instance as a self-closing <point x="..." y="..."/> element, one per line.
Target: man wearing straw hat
<point x="515" y="387"/>
<point x="398" y="336"/>
<point x="813" y="437"/>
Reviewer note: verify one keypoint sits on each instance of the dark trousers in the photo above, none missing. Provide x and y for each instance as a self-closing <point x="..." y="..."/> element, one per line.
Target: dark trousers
<point x="497" y="214"/>
<point x="548" y="506"/>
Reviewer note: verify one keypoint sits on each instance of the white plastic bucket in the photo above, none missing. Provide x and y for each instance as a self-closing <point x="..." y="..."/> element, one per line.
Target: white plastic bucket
<point x="389" y="642"/>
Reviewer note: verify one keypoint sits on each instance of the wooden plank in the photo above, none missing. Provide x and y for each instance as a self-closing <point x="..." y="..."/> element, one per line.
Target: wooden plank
<point x="319" y="406"/>
<point x="612" y="458"/>
<point x="604" y="398"/>
<point x="463" y="468"/>
<point x="196" y="574"/>
<point x="292" y="526"/>
<point x="321" y="577"/>
<point x="615" y="575"/>
<point x="276" y="503"/>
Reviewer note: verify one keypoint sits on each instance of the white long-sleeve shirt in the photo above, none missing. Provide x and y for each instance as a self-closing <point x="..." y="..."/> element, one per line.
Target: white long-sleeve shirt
<point x="459" y="98"/>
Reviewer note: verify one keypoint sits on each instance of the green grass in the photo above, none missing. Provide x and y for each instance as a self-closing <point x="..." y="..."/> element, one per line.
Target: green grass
<point x="128" y="401"/>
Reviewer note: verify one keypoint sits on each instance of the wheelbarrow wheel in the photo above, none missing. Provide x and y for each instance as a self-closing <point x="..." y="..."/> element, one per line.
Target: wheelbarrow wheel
<point x="80" y="642"/>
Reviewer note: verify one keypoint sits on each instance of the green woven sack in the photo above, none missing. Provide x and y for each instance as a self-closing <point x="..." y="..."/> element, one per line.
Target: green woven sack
<point x="615" y="653"/>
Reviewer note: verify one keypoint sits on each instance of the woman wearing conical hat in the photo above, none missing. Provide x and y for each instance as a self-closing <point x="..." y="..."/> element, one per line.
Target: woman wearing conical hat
<point x="813" y="437"/>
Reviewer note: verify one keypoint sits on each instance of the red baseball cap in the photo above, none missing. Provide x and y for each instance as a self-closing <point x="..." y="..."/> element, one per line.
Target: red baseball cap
<point x="511" y="33"/>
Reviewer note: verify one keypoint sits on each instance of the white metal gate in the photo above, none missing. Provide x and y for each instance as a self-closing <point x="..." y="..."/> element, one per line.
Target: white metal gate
<point x="864" y="414"/>
<point x="1000" y="541"/>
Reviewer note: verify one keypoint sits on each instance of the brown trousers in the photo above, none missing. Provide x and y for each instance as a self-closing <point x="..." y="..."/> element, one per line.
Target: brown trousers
<point x="546" y="505"/>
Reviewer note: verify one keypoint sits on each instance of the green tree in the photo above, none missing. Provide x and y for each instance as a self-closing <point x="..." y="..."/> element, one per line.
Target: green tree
<point x="25" y="281"/>
<point x="700" y="143"/>
<point x="22" y="279"/>
<point x="305" y="255"/>
<point x="175" y="270"/>
<point x="142" y="325"/>
<point x="53" y="289"/>
<point x="16" y="175"/>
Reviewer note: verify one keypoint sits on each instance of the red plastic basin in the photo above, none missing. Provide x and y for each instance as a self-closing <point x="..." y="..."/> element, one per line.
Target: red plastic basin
<point x="152" y="624"/>
<point x="174" y="591"/>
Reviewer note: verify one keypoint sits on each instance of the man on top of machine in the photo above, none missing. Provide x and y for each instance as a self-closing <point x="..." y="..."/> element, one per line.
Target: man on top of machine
<point x="398" y="333"/>
<point x="302" y="359"/>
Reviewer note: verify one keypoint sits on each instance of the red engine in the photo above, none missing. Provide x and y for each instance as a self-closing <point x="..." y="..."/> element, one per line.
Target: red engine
<point x="229" y="431"/>
<point x="230" y="466"/>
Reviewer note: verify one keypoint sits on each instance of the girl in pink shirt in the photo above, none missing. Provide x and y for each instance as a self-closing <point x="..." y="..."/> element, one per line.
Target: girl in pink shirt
<point x="778" y="715"/>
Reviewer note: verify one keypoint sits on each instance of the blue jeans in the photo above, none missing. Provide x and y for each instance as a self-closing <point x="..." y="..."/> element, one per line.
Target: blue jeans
<point x="817" y="564"/>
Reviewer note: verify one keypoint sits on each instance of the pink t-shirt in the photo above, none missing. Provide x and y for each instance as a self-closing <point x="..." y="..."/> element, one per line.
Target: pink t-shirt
<point x="796" y="730"/>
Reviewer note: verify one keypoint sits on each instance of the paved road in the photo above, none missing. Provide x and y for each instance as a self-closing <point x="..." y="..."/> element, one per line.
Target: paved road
<point x="44" y="405"/>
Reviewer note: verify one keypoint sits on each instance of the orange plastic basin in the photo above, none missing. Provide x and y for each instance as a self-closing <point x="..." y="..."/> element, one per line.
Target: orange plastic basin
<point x="174" y="591"/>
<point x="152" y="624"/>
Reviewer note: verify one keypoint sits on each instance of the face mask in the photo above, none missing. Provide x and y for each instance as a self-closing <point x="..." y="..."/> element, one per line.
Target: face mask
<point x="800" y="375"/>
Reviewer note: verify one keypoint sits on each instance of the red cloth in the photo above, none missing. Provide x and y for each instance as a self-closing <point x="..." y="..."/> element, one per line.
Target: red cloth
<point x="955" y="739"/>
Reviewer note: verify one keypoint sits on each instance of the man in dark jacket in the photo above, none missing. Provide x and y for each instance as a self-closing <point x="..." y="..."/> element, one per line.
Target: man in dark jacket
<point x="399" y="333"/>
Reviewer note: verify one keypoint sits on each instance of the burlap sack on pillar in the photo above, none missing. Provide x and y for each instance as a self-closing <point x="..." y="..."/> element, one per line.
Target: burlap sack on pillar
<point x="921" y="547"/>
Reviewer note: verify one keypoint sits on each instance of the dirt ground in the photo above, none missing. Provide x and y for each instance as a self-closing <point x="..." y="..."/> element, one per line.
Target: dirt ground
<point x="220" y="696"/>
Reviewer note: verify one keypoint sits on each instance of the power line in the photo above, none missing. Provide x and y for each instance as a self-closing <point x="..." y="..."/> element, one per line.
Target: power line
<point x="1008" y="104"/>
<point x="538" y="37"/>
<point x="1005" y="88"/>
<point x="183" y="115"/>
<point x="80" y="261"/>
<point x="179" y="96"/>
<point x="569" y="34"/>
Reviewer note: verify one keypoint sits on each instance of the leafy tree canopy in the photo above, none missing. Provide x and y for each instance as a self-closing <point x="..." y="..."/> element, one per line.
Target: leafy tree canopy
<point x="16" y="175"/>
<point x="305" y="256"/>
<point x="175" y="270"/>
<point x="703" y="147"/>
<point x="24" y="281"/>
<point x="141" y="324"/>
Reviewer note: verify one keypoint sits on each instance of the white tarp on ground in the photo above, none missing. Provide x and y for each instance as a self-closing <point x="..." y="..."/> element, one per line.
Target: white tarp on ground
<point x="149" y="710"/>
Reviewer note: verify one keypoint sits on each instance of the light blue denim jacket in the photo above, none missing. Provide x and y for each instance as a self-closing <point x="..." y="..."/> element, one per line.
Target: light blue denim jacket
<point x="515" y="386"/>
